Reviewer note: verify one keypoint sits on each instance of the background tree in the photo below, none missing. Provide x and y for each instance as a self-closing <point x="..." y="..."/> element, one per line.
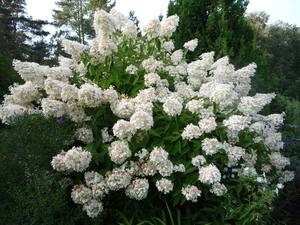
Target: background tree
<point x="281" y="41"/>
<point x="220" y="25"/>
<point x="75" y="16"/>
<point x="21" y="38"/>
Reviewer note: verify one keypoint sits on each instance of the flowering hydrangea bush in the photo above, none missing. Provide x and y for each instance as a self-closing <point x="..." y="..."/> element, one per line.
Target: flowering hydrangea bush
<point x="149" y="120"/>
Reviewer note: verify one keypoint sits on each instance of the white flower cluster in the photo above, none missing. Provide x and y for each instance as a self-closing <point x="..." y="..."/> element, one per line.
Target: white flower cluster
<point x="138" y="189"/>
<point x="191" y="193"/>
<point x="74" y="159"/>
<point x="204" y="102"/>
<point x="191" y="45"/>
<point x="90" y="196"/>
<point x="209" y="174"/>
<point x="164" y="185"/>
<point x="85" y="135"/>
<point x="119" y="152"/>
<point x="159" y="158"/>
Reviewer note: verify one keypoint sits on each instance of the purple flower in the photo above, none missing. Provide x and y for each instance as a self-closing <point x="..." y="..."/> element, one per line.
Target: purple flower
<point x="60" y="120"/>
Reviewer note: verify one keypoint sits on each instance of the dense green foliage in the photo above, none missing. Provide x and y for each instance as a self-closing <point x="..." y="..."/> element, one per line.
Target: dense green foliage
<point x="220" y="26"/>
<point x="281" y="44"/>
<point x="30" y="192"/>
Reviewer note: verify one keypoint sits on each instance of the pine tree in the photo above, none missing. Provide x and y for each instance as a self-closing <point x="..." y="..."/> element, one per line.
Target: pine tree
<point x="220" y="25"/>
<point x="21" y="38"/>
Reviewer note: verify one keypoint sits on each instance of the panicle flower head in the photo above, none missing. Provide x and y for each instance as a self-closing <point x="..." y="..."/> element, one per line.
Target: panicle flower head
<point x="209" y="174"/>
<point x="191" y="45"/>
<point x="164" y="185"/>
<point x="138" y="189"/>
<point x="119" y="151"/>
<point x="77" y="159"/>
<point x="191" y="193"/>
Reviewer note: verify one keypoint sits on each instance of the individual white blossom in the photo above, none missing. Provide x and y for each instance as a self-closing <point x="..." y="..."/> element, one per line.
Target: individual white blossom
<point x="234" y="153"/>
<point x="131" y="69"/>
<point x="224" y="95"/>
<point x="179" y="168"/>
<point x="152" y="29"/>
<point x="252" y="105"/>
<point x="168" y="46"/>
<point x="151" y="65"/>
<point x="196" y="73"/>
<point x="69" y="93"/>
<point x="211" y="146"/>
<point x="53" y="88"/>
<point x="177" y="56"/>
<point x="143" y="153"/>
<point x="273" y="141"/>
<point x="119" y="152"/>
<point x="149" y="168"/>
<point x="165" y="168"/>
<point x="77" y="159"/>
<point x="209" y="174"/>
<point x="93" y="208"/>
<point x="9" y="112"/>
<point x="152" y="79"/>
<point x="278" y="160"/>
<point x="236" y="122"/>
<point x="76" y="112"/>
<point x="106" y="137"/>
<point x="92" y="178"/>
<point x="164" y="185"/>
<point x="58" y="162"/>
<point x="191" y="131"/>
<point x="85" y="135"/>
<point x="287" y="176"/>
<point x="158" y="155"/>
<point x="75" y="49"/>
<point x="275" y="120"/>
<point x="59" y="73"/>
<point x="81" y="194"/>
<point x="54" y="108"/>
<point x="24" y="94"/>
<point x="169" y="25"/>
<point x="191" y="193"/>
<point x="218" y="189"/>
<point x="129" y="29"/>
<point x="172" y="107"/>
<point x="123" y="108"/>
<point x="118" y="179"/>
<point x="145" y="96"/>
<point x="184" y="91"/>
<point x="198" y="161"/>
<point x="191" y="45"/>
<point x="100" y="190"/>
<point x="30" y="71"/>
<point x="90" y="95"/>
<point x="207" y="125"/>
<point x="138" y="189"/>
<point x="124" y="129"/>
<point x="195" y="106"/>
<point x="141" y="120"/>
<point x="110" y="95"/>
